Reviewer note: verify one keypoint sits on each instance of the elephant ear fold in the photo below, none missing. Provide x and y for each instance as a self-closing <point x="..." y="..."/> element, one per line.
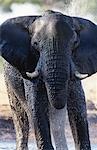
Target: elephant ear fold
<point x="14" y="44"/>
<point x="85" y="55"/>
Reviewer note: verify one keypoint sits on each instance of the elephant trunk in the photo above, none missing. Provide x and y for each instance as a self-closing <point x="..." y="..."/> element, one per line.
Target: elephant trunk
<point x="57" y="94"/>
<point x="56" y="73"/>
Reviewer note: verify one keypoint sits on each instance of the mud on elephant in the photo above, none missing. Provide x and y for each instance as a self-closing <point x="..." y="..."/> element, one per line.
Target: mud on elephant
<point x="47" y="57"/>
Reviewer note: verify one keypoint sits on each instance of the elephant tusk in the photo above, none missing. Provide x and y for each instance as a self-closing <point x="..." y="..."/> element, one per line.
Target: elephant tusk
<point x="80" y="76"/>
<point x="32" y="75"/>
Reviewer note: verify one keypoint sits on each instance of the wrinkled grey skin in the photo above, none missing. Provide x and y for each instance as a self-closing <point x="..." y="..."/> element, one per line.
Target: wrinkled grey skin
<point x="21" y="90"/>
<point x="16" y="93"/>
<point x="45" y="97"/>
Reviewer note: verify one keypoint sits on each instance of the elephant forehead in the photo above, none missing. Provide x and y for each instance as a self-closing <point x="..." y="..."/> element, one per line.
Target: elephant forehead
<point x="39" y="25"/>
<point x="51" y="24"/>
<point x="42" y="23"/>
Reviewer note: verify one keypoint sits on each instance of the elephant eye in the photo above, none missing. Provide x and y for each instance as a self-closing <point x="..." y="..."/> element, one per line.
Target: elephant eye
<point x="35" y="45"/>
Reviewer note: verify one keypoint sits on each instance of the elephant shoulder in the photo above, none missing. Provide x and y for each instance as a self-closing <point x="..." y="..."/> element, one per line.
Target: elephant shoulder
<point x="11" y="72"/>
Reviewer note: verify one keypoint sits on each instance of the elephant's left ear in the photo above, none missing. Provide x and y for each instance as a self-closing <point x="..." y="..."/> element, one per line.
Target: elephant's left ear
<point x="14" y="44"/>
<point x="85" y="55"/>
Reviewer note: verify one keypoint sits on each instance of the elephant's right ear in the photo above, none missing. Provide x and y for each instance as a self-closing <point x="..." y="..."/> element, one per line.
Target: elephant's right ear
<point x="14" y="44"/>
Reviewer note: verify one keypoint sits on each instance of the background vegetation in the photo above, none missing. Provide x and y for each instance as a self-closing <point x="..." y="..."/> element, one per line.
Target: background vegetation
<point x="7" y="3"/>
<point x="87" y="5"/>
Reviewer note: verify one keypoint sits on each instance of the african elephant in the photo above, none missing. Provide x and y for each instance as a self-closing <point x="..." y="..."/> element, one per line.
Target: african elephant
<point x="47" y="57"/>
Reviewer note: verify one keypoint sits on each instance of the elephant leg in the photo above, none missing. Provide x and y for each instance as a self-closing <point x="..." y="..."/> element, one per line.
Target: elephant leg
<point x="15" y="90"/>
<point x="57" y="122"/>
<point x="21" y="123"/>
<point x="76" y="107"/>
<point x="41" y="117"/>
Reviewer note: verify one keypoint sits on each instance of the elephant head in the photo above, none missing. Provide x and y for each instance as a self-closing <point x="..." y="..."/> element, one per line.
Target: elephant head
<point x="57" y="47"/>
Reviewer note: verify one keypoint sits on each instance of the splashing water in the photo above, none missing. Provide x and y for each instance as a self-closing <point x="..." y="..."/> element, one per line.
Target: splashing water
<point x="79" y="8"/>
<point x="32" y="146"/>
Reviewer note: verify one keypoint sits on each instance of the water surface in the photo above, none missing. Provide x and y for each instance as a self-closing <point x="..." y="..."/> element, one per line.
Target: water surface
<point x="32" y="146"/>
